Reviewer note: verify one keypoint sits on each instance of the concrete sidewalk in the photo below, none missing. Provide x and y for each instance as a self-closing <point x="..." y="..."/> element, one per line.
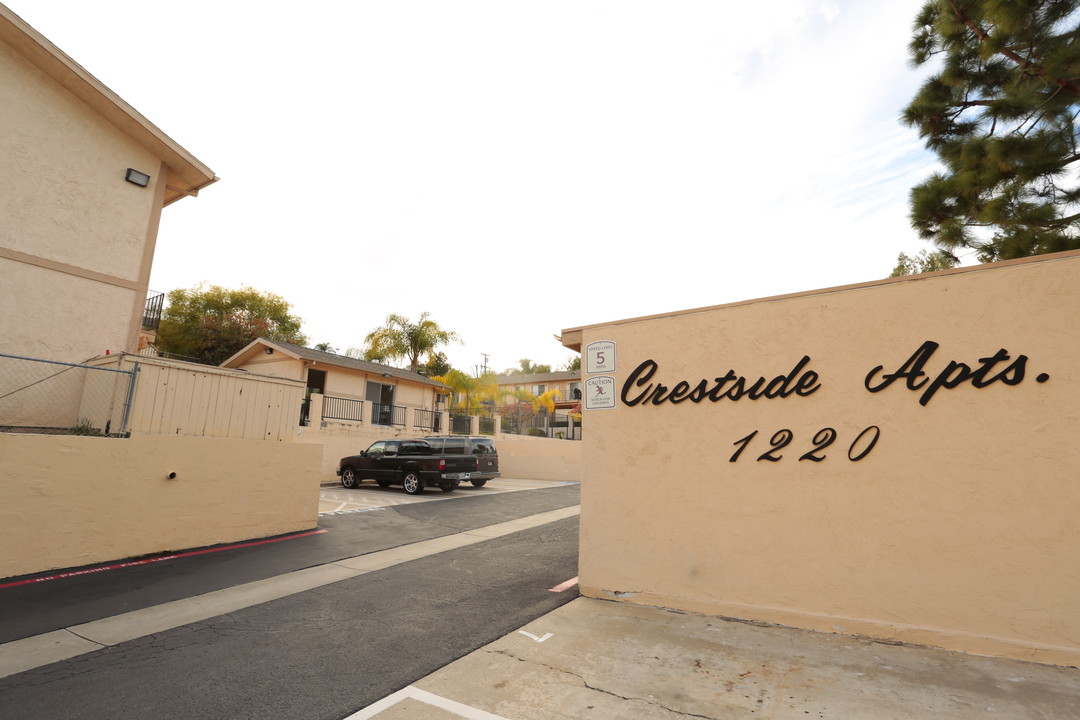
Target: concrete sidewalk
<point x="602" y="660"/>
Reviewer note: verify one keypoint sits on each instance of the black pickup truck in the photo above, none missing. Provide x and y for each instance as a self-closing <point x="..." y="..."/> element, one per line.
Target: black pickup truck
<point x="482" y="447"/>
<point x="409" y="463"/>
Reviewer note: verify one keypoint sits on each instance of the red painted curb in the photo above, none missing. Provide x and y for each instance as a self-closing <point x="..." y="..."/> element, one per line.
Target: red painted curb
<point x="159" y="558"/>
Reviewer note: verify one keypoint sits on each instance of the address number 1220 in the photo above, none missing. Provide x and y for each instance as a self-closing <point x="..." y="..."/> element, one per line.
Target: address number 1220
<point x="823" y="438"/>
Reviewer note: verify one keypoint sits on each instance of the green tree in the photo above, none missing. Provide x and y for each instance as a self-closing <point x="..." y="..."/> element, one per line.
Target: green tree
<point x="325" y="347"/>
<point x="572" y="364"/>
<point x="401" y="338"/>
<point x="526" y="367"/>
<point x="923" y="262"/>
<point x="437" y="364"/>
<point x="211" y="324"/>
<point x="1000" y="113"/>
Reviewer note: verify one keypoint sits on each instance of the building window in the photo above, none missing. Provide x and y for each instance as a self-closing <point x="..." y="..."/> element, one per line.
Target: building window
<point x="316" y="381"/>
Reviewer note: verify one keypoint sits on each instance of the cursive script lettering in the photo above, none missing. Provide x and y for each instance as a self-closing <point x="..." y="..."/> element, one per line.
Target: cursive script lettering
<point x="954" y="374"/>
<point x="731" y="386"/>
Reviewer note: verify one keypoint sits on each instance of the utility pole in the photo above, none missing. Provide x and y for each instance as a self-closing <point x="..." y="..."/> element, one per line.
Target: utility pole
<point x="486" y="356"/>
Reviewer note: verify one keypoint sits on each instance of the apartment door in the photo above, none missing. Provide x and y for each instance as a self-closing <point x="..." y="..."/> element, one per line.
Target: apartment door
<point x="381" y="398"/>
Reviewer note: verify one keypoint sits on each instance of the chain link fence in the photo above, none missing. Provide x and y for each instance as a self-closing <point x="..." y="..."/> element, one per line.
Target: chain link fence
<point x="521" y="419"/>
<point x="46" y="396"/>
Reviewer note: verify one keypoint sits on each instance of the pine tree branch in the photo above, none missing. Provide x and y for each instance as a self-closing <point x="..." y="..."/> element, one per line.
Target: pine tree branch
<point x="1038" y="112"/>
<point x="1055" y="223"/>
<point x="1022" y="62"/>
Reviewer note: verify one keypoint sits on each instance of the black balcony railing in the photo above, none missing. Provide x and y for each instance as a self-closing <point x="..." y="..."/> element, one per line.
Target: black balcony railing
<point x="460" y="424"/>
<point x="335" y="408"/>
<point x="387" y="415"/>
<point x="155" y="304"/>
<point x="426" y="420"/>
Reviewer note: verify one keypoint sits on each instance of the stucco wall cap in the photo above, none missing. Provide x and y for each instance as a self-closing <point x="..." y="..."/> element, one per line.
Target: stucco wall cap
<point x="571" y="337"/>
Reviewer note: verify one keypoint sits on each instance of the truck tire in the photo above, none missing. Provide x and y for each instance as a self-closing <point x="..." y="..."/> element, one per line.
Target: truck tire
<point x="384" y="483"/>
<point x="348" y="478"/>
<point x="449" y="485"/>
<point x="412" y="482"/>
<point x="478" y="483"/>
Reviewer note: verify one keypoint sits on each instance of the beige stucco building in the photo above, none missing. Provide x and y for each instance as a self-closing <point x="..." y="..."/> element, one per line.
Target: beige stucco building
<point x="895" y="459"/>
<point x="77" y="241"/>
<point x="77" y="238"/>
<point x="351" y="389"/>
<point x="566" y="382"/>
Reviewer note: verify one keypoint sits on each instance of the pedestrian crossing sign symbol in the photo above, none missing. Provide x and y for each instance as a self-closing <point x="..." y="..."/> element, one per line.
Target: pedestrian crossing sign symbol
<point x="600" y="393"/>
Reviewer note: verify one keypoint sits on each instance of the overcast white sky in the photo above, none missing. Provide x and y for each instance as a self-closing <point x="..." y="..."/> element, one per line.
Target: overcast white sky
<point x="516" y="168"/>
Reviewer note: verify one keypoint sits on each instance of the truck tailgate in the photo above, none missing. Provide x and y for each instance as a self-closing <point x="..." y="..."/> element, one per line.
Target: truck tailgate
<point x="460" y="466"/>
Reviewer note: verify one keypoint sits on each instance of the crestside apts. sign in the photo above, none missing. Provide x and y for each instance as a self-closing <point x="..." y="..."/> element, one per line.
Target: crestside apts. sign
<point x="640" y="390"/>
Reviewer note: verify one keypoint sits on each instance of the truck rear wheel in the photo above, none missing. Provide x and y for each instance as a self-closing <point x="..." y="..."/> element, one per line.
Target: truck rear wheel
<point x="478" y="483"/>
<point x="413" y="483"/>
<point x="348" y="478"/>
<point x="449" y="485"/>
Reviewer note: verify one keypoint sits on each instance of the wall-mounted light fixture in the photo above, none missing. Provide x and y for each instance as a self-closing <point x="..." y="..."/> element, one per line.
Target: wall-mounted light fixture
<point x="139" y="178"/>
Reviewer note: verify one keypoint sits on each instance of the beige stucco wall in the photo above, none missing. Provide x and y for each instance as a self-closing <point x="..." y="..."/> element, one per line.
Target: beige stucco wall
<point x="76" y="241"/>
<point x="57" y="316"/>
<point x="414" y="396"/>
<point x="68" y="501"/>
<point x="957" y="530"/>
<point x="521" y="456"/>
<point x="276" y="365"/>
<point x="340" y="383"/>
<point x="62" y="172"/>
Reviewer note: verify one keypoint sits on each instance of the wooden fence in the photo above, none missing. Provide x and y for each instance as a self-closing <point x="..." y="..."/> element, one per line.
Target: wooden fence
<point x="173" y="397"/>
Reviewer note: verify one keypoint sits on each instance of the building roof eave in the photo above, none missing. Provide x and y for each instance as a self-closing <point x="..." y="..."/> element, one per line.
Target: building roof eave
<point x="319" y="357"/>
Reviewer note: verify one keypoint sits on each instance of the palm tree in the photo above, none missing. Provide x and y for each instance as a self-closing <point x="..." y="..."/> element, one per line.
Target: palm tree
<point x="470" y="391"/>
<point x="401" y="338"/>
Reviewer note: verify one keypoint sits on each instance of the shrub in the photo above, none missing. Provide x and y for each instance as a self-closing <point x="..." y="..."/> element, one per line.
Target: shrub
<point x="85" y="427"/>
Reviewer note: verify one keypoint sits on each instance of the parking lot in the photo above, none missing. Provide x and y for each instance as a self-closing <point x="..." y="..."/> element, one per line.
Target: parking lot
<point x="369" y="496"/>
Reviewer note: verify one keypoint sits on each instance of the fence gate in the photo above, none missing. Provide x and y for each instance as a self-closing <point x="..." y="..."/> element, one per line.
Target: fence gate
<point x="47" y="396"/>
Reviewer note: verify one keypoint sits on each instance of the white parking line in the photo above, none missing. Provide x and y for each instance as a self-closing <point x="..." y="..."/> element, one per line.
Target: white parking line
<point x="414" y="693"/>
